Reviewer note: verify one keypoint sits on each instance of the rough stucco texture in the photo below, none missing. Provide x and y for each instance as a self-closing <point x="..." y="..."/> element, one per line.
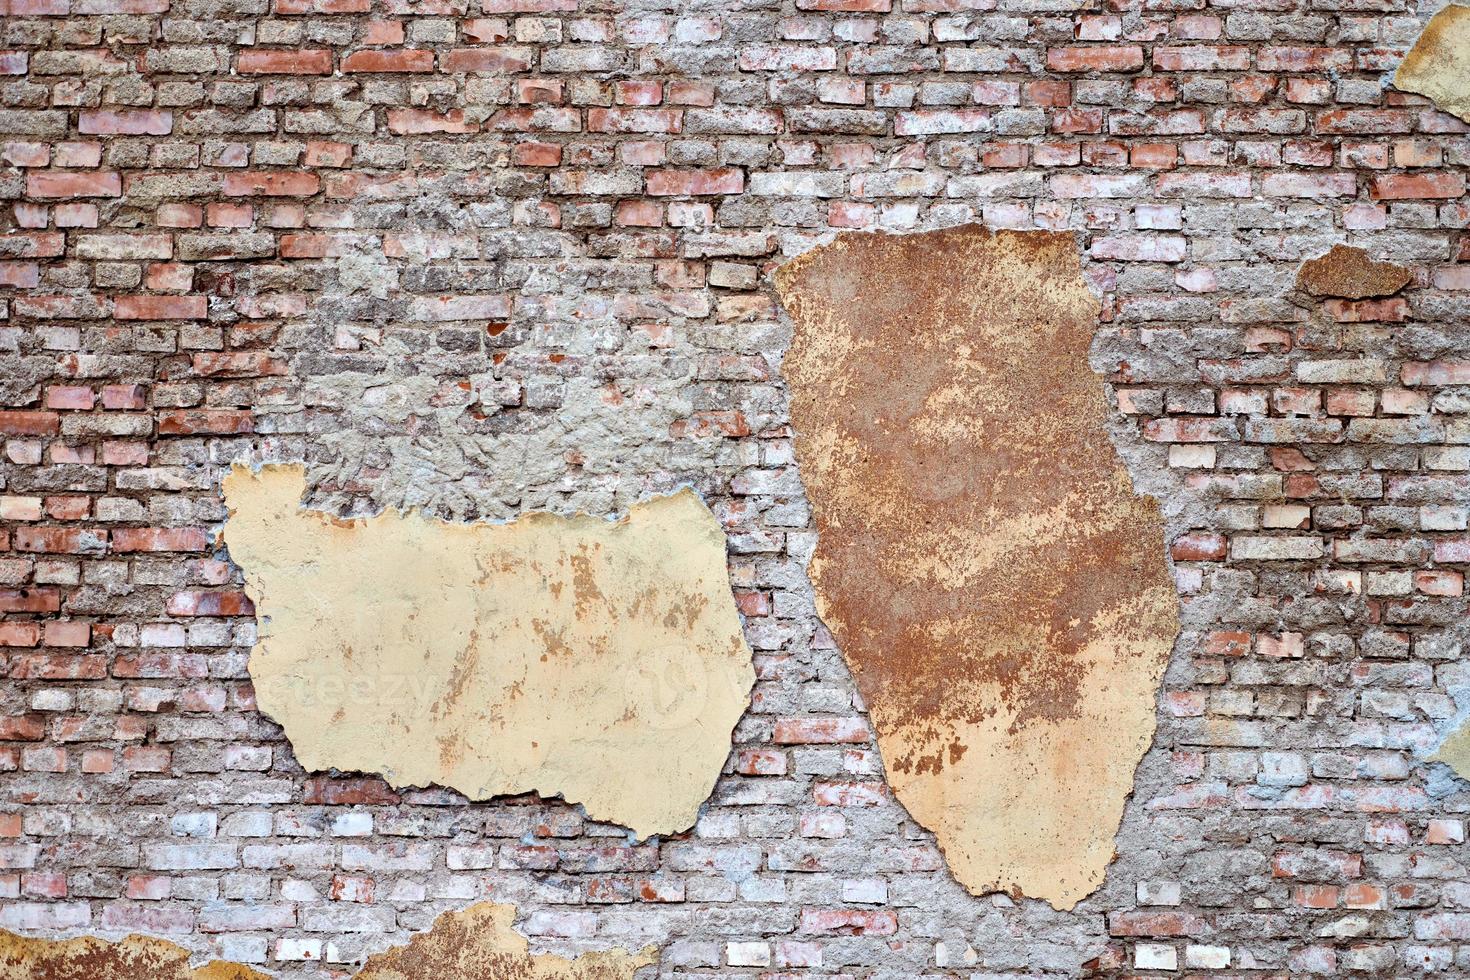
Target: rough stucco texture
<point x="479" y="942"/>
<point x="571" y="656"/>
<point x="1438" y="65"/>
<point x="999" y="591"/>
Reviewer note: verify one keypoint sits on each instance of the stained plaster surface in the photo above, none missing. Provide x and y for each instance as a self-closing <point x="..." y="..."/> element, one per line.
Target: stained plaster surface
<point x="1349" y="273"/>
<point x="1438" y="65"/>
<point x="91" y="958"/>
<point x="478" y="942"/>
<point x="997" y="587"/>
<point x="570" y="656"/>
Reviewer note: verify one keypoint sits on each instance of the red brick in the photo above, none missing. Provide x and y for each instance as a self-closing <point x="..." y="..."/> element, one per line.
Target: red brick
<point x="1163" y="924"/>
<point x="67" y="184"/>
<point x="161" y="308"/>
<point x="210" y="604"/>
<point x="22" y="423"/>
<point x="271" y="183"/>
<point x="848" y="922"/>
<point x="123" y="397"/>
<point x="126" y="122"/>
<point x="238" y="364"/>
<point x="417" y="121"/>
<point x="495" y="60"/>
<point x="388" y="61"/>
<point x="305" y="61"/>
<point x="32" y="600"/>
<point x="536" y="155"/>
<point x="67" y="633"/>
<point x="131" y="539"/>
<point x="694" y="183"/>
<point x="820" y="731"/>
<point x="20" y="275"/>
<point x="289" y="8"/>
<point x="1200" y="546"/>
<point x="324" y="153"/>
<point x="1095" y="58"/>
<point x="59" y="540"/>
<point x="192" y="422"/>
<point x="22" y="728"/>
<point x="635" y="120"/>
<point x="20" y="634"/>
<point x="347" y="791"/>
<point x="1399" y="187"/>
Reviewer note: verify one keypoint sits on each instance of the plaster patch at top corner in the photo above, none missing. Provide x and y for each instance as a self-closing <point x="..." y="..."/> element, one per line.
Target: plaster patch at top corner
<point x="1438" y="65"/>
<point x="604" y="662"/>
<point x="998" y="589"/>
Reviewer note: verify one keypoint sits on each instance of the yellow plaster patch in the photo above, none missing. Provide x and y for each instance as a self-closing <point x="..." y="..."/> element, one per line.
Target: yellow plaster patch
<point x="478" y="942"/>
<point x="1454" y="751"/>
<point x="603" y="662"/>
<point x="998" y="589"/>
<point x="1438" y="66"/>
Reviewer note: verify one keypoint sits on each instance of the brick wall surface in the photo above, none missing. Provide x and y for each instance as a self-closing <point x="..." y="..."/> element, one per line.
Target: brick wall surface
<point x="486" y="255"/>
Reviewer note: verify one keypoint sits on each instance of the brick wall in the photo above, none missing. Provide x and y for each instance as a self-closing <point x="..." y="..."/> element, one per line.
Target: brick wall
<point x="486" y="255"/>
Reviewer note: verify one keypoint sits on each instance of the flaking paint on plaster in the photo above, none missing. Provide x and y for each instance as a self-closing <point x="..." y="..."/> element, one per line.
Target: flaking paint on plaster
<point x="998" y="589"/>
<point x="1347" y="272"/>
<point x="479" y="941"/>
<point x="603" y="662"/>
<point x="91" y="958"/>
<point x="1438" y="65"/>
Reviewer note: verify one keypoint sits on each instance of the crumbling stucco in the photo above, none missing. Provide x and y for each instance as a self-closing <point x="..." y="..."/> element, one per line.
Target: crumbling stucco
<point x="1349" y="273"/>
<point x="998" y="589"/>
<point x="566" y="383"/>
<point x="1438" y="65"/>
<point x="91" y="958"/>
<point x="603" y="662"/>
<point x="480" y="942"/>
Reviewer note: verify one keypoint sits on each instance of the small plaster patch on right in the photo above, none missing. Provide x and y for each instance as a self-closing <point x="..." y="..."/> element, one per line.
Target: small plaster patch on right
<point x="1438" y="66"/>
<point x="1349" y="273"/>
<point x="1454" y="751"/>
<point x="480" y="943"/>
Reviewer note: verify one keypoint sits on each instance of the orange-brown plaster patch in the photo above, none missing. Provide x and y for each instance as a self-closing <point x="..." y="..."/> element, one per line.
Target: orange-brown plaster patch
<point x="999" y="591"/>
<point x="1349" y="273"/>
